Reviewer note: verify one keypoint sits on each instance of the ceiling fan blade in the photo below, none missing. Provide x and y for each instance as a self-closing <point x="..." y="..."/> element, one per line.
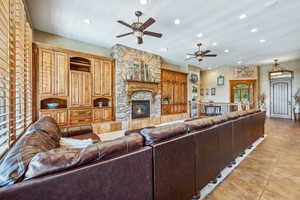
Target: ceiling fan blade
<point x="204" y="52"/>
<point x="118" y="36"/>
<point x="210" y="55"/>
<point x="140" y="40"/>
<point x="148" y="23"/>
<point x="124" y="23"/>
<point x="190" y="54"/>
<point x="153" y="34"/>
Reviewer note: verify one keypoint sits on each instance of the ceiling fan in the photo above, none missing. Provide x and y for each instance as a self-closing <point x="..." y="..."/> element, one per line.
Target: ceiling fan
<point x="138" y="28"/>
<point x="199" y="55"/>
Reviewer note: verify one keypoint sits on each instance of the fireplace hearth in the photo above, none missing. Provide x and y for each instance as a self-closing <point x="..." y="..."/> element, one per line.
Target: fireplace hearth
<point x="140" y="109"/>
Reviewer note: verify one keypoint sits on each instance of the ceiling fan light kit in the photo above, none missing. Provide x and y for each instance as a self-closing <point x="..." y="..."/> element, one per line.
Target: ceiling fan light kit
<point x="138" y="28"/>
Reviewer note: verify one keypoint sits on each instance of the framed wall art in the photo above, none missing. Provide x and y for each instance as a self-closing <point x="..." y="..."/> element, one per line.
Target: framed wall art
<point x="220" y="80"/>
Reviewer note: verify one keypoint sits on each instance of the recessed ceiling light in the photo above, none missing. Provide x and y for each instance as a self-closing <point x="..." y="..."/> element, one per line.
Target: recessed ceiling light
<point x="254" y="30"/>
<point x="239" y="62"/>
<point x="163" y="49"/>
<point x="199" y="35"/>
<point x="177" y="21"/>
<point x="214" y="44"/>
<point x="188" y="56"/>
<point x="226" y="51"/>
<point x="209" y="68"/>
<point x="87" y="21"/>
<point x="262" y="41"/>
<point x="143" y="2"/>
<point x="243" y="16"/>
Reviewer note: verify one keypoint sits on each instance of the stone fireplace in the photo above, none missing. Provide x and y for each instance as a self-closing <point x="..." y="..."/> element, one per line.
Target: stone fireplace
<point x="140" y="109"/>
<point x="129" y="90"/>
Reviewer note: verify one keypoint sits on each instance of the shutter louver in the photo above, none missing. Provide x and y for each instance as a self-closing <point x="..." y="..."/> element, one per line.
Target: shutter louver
<point x="4" y="75"/>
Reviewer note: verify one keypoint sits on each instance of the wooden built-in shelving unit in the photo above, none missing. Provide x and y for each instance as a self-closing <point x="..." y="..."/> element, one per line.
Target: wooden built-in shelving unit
<point x="77" y="82"/>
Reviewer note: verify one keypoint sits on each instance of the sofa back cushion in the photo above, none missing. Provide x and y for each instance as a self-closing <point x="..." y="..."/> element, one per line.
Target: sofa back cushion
<point x="233" y="115"/>
<point x="199" y="124"/>
<point x="158" y="134"/>
<point x="76" y="130"/>
<point x="13" y="166"/>
<point x="47" y="124"/>
<point x="219" y="119"/>
<point x="64" y="158"/>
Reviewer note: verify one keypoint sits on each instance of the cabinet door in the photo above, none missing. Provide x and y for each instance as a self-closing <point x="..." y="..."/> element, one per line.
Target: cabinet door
<point x="97" y="115"/>
<point x="97" y="71"/>
<point x="61" y="74"/>
<point x="86" y="89"/>
<point x="102" y="78"/>
<point x="107" y="114"/>
<point x="106" y="84"/>
<point x="47" y="113"/>
<point x="75" y="88"/>
<point x="46" y="72"/>
<point x="61" y="117"/>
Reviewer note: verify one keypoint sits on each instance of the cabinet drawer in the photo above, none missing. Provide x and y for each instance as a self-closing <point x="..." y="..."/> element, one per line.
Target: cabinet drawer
<point x="80" y="121"/>
<point x="81" y="113"/>
<point x="83" y="116"/>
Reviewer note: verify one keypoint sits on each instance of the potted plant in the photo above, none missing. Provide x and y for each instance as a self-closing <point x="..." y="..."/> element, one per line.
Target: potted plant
<point x="297" y="105"/>
<point x="262" y="104"/>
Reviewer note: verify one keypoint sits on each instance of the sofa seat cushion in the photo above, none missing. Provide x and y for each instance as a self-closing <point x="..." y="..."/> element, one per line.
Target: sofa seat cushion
<point x="158" y="134"/>
<point x="59" y="159"/>
<point x="13" y="166"/>
<point x="94" y="137"/>
<point x="67" y="142"/>
<point x="199" y="124"/>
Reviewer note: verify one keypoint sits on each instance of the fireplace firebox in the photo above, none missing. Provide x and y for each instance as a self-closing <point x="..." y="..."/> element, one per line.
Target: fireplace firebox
<point x="140" y="109"/>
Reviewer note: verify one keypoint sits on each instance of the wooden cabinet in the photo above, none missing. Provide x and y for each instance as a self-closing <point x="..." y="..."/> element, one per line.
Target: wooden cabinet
<point x="102" y="114"/>
<point x="53" y="73"/>
<point x="80" y="116"/>
<point x="46" y="73"/>
<point x="174" y="92"/>
<point x="80" y="89"/>
<point x="60" y="115"/>
<point x="61" y="74"/>
<point x="77" y="82"/>
<point x="102" y="78"/>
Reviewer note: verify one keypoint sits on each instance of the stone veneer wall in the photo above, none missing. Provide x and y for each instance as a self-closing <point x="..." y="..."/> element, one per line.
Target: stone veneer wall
<point x="125" y="58"/>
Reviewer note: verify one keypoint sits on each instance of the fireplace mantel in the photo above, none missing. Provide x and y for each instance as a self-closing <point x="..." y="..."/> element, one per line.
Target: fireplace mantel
<point x="141" y="86"/>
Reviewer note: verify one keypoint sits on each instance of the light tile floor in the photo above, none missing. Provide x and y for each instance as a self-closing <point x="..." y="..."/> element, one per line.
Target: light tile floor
<point x="271" y="171"/>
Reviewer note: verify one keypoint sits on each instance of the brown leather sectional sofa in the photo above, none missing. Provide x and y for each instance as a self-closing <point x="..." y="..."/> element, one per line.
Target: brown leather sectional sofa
<point x="168" y="162"/>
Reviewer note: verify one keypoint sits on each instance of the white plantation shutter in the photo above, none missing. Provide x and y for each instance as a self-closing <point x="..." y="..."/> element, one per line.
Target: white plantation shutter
<point x="28" y="75"/>
<point x="15" y="72"/>
<point x="20" y="67"/>
<point x="4" y="75"/>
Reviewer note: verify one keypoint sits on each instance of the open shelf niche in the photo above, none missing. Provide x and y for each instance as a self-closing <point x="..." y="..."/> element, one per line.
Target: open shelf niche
<point x="80" y="64"/>
<point x="62" y="103"/>
<point x="106" y="102"/>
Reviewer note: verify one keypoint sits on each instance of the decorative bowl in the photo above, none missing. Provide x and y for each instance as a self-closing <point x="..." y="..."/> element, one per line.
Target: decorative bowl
<point x="52" y="105"/>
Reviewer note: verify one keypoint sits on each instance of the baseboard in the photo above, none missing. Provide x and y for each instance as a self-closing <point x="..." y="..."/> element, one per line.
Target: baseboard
<point x="225" y="172"/>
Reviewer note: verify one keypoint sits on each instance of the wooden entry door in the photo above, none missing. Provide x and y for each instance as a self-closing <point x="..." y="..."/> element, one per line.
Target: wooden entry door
<point x="281" y="99"/>
<point x="242" y="91"/>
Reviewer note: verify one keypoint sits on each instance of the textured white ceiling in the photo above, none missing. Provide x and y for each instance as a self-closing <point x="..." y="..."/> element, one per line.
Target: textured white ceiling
<point x="278" y="22"/>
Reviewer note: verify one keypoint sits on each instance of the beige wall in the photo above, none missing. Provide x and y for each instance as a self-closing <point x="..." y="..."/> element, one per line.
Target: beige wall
<point x="264" y="79"/>
<point x="209" y="80"/>
<point x="58" y="41"/>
